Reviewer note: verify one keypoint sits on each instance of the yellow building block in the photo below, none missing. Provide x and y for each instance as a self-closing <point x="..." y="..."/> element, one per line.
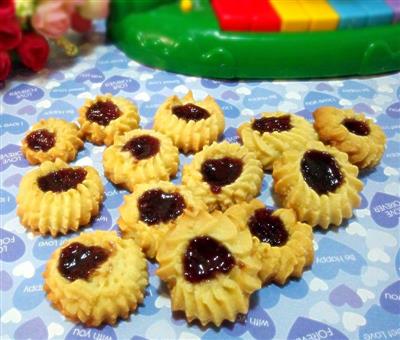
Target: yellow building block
<point x="323" y="16"/>
<point x="293" y="16"/>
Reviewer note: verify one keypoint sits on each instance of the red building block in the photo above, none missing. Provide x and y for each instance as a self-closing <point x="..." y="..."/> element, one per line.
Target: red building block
<point x="246" y="15"/>
<point x="264" y="17"/>
<point x="233" y="15"/>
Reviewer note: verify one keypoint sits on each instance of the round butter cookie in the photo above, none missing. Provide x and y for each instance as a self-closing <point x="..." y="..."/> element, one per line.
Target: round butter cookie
<point x="152" y="210"/>
<point x="269" y="136"/>
<point x="96" y="278"/>
<point x="190" y="124"/>
<point x="284" y="244"/>
<point x="223" y="174"/>
<point x="140" y="156"/>
<point x="319" y="183"/>
<point x="56" y="198"/>
<point x="104" y="118"/>
<point x="352" y="133"/>
<point x="50" y="139"/>
<point x="210" y="266"/>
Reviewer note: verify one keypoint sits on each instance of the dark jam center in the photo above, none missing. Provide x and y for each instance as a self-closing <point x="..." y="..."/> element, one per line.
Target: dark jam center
<point x="321" y="171"/>
<point x="356" y="126"/>
<point x="78" y="261"/>
<point x="62" y="180"/>
<point x="103" y="112"/>
<point x="142" y="147"/>
<point x="190" y="112"/>
<point x="268" y="228"/>
<point x="272" y="124"/>
<point x="41" y="140"/>
<point x="220" y="172"/>
<point x="157" y="206"/>
<point x="204" y="258"/>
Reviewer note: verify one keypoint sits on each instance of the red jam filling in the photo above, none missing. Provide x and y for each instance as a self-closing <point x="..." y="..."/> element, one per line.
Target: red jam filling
<point x="62" y="180"/>
<point x="220" y="172"/>
<point x="321" y="171"/>
<point x="78" y="261"/>
<point x="156" y="206"/>
<point x="190" y="112"/>
<point x="356" y="126"/>
<point x="272" y="124"/>
<point x="41" y="140"/>
<point x="204" y="258"/>
<point x="142" y="147"/>
<point x="268" y="228"/>
<point x="103" y="113"/>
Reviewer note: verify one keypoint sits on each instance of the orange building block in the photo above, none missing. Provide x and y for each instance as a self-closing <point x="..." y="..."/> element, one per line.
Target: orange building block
<point x="294" y="17"/>
<point x="322" y="15"/>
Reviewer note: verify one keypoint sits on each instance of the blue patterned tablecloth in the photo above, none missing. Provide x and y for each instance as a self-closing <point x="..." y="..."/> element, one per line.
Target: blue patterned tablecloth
<point x="353" y="289"/>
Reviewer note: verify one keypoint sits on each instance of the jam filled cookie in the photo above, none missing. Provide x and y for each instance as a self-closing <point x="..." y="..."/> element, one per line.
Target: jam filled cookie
<point x="106" y="117"/>
<point x="284" y="244"/>
<point x="190" y="124"/>
<point x="50" y="139"/>
<point x="152" y="210"/>
<point x="319" y="183"/>
<point x="269" y="136"/>
<point x="352" y="133"/>
<point x="223" y="174"/>
<point x="210" y="266"/>
<point x="96" y="278"/>
<point x="140" y="156"/>
<point x="56" y="198"/>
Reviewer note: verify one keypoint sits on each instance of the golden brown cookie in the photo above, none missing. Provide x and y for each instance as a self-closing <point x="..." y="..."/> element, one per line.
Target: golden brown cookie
<point x="152" y="210"/>
<point x="210" y="266"/>
<point x="352" y="133"/>
<point x="104" y="118"/>
<point x="269" y="136"/>
<point x="56" y="198"/>
<point x="284" y="244"/>
<point x="96" y="278"/>
<point x="50" y="139"/>
<point x="140" y="156"/>
<point x="223" y="174"/>
<point x="319" y="183"/>
<point x="189" y="123"/>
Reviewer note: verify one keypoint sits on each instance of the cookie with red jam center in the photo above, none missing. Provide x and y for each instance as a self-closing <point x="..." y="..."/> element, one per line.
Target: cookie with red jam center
<point x="96" y="278"/>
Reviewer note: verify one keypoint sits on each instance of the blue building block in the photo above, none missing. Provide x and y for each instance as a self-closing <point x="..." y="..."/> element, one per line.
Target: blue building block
<point x="378" y="11"/>
<point x="351" y="14"/>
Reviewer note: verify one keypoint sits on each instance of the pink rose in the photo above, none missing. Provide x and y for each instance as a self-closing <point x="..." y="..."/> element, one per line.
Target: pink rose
<point x="51" y="19"/>
<point x="94" y="9"/>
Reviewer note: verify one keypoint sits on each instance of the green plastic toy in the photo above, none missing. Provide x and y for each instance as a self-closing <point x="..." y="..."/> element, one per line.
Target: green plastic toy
<point x="157" y="33"/>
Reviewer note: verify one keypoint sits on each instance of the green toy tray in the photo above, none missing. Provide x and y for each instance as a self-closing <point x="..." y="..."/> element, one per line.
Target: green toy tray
<point x="158" y="34"/>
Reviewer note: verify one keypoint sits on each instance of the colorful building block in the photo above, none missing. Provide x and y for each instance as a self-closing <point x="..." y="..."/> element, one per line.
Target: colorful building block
<point x="293" y="16"/>
<point x="322" y="16"/>
<point x="264" y="17"/>
<point x="378" y="11"/>
<point x="232" y="15"/>
<point x="246" y="15"/>
<point x="395" y="5"/>
<point x="351" y="14"/>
